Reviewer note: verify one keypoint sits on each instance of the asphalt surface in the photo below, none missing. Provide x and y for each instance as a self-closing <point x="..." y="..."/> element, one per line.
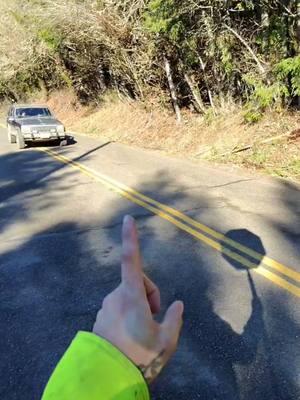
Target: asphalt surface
<point x="60" y="255"/>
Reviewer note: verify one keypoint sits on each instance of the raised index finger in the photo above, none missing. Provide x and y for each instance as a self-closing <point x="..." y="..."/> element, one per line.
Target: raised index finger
<point x="132" y="269"/>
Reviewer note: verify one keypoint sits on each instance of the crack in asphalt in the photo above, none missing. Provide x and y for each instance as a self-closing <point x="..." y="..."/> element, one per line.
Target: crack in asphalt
<point x="191" y="188"/>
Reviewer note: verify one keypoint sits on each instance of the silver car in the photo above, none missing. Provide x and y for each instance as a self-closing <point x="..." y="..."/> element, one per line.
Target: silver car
<point x="33" y="123"/>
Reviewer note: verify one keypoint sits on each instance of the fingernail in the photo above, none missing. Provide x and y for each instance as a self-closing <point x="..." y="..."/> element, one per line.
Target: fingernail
<point x="128" y="219"/>
<point x="180" y="306"/>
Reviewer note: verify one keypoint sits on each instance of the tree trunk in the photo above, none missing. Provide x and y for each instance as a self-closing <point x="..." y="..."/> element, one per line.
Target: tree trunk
<point x="265" y="22"/>
<point x="206" y="83"/>
<point x="195" y="92"/>
<point x="298" y="27"/>
<point x="243" y="41"/>
<point x="172" y="89"/>
<point x="135" y="76"/>
<point x="298" y="36"/>
<point x="115" y="84"/>
<point x="101" y="79"/>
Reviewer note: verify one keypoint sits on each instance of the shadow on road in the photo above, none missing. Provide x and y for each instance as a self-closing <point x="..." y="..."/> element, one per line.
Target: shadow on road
<point x="290" y="225"/>
<point x="24" y="176"/>
<point x="252" y="352"/>
<point x="69" y="141"/>
<point x="231" y="365"/>
<point x="52" y="285"/>
<point x="82" y="156"/>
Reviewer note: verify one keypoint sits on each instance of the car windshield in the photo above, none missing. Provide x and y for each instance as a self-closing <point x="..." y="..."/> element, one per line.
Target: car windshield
<point x="33" y="112"/>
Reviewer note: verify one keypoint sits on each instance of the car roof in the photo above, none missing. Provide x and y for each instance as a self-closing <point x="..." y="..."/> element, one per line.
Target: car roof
<point x="30" y="106"/>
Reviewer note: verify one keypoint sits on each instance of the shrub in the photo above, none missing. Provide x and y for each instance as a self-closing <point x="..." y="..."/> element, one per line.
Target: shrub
<point x="263" y="96"/>
<point x="288" y="72"/>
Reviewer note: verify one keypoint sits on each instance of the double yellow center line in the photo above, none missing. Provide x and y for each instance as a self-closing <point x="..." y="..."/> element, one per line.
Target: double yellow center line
<point x="276" y="272"/>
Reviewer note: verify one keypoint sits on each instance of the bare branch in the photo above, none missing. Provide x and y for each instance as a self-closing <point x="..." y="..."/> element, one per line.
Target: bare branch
<point x="259" y="64"/>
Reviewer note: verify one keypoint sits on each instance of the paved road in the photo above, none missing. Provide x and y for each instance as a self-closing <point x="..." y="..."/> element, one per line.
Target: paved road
<point x="60" y="250"/>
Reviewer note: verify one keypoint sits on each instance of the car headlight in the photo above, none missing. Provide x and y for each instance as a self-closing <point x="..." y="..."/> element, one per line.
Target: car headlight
<point x="25" y="129"/>
<point x="53" y="130"/>
<point x="60" y="129"/>
<point x="34" y="131"/>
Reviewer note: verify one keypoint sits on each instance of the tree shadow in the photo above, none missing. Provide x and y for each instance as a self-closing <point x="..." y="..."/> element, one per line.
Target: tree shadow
<point x="289" y="195"/>
<point x="82" y="156"/>
<point x="24" y="176"/>
<point x="283" y="313"/>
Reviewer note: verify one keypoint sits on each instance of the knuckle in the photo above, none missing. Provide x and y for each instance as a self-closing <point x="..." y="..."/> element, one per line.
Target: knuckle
<point x="107" y="300"/>
<point x="129" y="297"/>
<point x="170" y="342"/>
<point x="127" y="293"/>
<point x="129" y="251"/>
<point x="127" y="256"/>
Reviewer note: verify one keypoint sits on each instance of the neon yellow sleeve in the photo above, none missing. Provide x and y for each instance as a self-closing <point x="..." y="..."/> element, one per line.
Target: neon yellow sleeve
<point x="93" y="369"/>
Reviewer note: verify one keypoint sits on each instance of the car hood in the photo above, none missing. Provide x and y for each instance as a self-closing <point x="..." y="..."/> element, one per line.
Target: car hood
<point x="38" y="121"/>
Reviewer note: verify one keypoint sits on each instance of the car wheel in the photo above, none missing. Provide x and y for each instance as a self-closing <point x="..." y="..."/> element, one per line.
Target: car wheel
<point x="20" y="140"/>
<point x="56" y="142"/>
<point x="63" y="142"/>
<point x="10" y="136"/>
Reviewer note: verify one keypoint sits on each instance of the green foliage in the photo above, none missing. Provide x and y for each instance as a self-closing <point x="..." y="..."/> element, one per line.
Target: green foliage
<point x="19" y="86"/>
<point x="268" y="95"/>
<point x="226" y="58"/>
<point x="252" y="116"/>
<point x="245" y="5"/>
<point x="99" y="45"/>
<point x="291" y="168"/>
<point x="259" y="156"/>
<point x="277" y="36"/>
<point x="209" y="116"/>
<point x="66" y="79"/>
<point x="289" y="70"/>
<point x="163" y="18"/>
<point x="263" y="96"/>
<point x="51" y="38"/>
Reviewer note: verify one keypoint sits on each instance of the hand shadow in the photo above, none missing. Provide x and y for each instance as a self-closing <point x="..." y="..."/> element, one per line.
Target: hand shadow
<point x="222" y="363"/>
<point x="252" y="364"/>
<point x="245" y="238"/>
<point x="254" y="327"/>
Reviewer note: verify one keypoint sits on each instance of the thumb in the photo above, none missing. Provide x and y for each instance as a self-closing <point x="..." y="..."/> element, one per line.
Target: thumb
<point x="173" y="321"/>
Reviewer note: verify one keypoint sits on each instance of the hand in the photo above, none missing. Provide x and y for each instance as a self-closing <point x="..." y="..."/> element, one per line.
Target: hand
<point x="126" y="318"/>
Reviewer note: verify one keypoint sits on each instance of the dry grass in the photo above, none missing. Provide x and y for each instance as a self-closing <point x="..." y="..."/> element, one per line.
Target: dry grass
<point x="66" y="107"/>
<point x="3" y="110"/>
<point x="148" y="126"/>
<point x="279" y="157"/>
<point x="211" y="138"/>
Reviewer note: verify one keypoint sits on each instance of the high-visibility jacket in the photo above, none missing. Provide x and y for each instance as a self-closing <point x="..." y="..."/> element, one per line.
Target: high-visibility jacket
<point x="93" y="369"/>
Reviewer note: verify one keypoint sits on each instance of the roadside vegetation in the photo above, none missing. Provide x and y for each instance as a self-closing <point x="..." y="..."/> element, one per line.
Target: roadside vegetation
<point x="217" y="80"/>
